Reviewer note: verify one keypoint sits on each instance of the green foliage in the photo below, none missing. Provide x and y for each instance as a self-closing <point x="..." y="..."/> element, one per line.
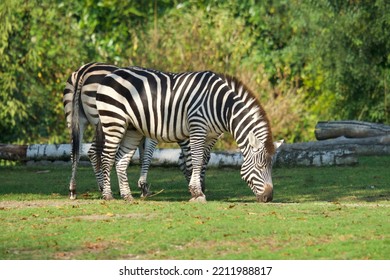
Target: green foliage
<point x="306" y="60"/>
<point x="352" y="52"/>
<point x="318" y="213"/>
<point x="37" y="48"/>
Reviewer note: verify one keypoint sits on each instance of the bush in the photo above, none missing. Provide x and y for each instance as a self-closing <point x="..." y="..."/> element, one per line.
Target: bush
<point x="306" y="60"/>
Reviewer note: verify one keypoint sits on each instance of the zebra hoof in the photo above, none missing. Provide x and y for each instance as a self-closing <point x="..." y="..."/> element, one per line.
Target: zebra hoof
<point x="128" y="198"/>
<point x="145" y="189"/>
<point x="146" y="194"/>
<point x="199" y="199"/>
<point x="108" y="197"/>
<point x="72" y="195"/>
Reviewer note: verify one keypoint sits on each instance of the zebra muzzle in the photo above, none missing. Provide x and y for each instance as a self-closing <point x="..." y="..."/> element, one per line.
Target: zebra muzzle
<point x="267" y="195"/>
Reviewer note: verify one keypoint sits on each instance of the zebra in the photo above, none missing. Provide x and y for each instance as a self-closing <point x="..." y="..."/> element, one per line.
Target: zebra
<point x="79" y="100"/>
<point x="136" y="102"/>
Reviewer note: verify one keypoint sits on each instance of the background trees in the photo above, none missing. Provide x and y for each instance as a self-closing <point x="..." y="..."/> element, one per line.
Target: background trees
<point x="306" y="60"/>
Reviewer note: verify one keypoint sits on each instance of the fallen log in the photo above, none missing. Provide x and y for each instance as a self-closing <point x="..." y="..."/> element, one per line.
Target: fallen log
<point x="339" y="151"/>
<point x="349" y="129"/>
<point x="161" y="157"/>
<point x="313" y="154"/>
<point x="369" y="146"/>
<point x="13" y="152"/>
<point x="301" y="154"/>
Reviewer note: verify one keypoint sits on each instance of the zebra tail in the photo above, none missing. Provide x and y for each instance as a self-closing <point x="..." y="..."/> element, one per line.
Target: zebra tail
<point x="99" y="144"/>
<point x="76" y="123"/>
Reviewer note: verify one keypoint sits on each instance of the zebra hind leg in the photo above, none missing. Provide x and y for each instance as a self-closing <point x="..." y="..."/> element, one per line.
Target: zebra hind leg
<point x="72" y="183"/>
<point x="123" y="156"/>
<point x="77" y="139"/>
<point x="122" y="162"/>
<point x="98" y="172"/>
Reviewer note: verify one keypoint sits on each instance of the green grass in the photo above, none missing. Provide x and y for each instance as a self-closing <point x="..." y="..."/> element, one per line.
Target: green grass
<point x="317" y="213"/>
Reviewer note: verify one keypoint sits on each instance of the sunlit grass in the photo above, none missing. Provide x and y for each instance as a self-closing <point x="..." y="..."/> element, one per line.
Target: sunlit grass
<point x="317" y="213"/>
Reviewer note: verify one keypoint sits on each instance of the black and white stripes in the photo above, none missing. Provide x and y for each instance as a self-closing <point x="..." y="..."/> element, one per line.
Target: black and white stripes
<point x="197" y="106"/>
<point x="79" y="101"/>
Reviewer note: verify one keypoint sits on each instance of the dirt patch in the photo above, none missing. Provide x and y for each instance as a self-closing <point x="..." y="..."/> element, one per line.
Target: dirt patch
<point x="94" y="248"/>
<point x="13" y="204"/>
<point x="109" y="216"/>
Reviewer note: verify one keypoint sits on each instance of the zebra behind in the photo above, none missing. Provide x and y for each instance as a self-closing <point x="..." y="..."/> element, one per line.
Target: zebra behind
<point x="136" y="102"/>
<point x="79" y="101"/>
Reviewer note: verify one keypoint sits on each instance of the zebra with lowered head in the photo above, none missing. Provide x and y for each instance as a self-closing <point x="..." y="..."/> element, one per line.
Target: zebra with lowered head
<point x="136" y="102"/>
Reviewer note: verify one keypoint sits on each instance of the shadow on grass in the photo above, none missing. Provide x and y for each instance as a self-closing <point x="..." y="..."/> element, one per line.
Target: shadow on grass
<point x="367" y="182"/>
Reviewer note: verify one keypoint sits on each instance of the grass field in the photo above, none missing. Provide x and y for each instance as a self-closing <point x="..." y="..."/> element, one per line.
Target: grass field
<point x="317" y="213"/>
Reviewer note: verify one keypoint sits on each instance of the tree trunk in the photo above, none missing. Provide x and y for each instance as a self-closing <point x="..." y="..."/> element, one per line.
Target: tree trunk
<point x="349" y="129"/>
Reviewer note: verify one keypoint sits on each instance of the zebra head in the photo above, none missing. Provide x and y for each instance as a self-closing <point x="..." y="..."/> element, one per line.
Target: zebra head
<point x="257" y="166"/>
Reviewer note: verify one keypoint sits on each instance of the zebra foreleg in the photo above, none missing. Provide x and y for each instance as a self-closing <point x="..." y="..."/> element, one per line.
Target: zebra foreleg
<point x="185" y="160"/>
<point x="146" y="149"/>
<point x="197" y="142"/>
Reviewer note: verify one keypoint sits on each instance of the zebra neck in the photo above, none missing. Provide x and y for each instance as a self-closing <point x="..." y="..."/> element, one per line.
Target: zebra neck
<point x="246" y="119"/>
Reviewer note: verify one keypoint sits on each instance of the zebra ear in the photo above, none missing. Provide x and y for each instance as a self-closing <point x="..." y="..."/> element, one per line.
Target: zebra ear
<point x="254" y="142"/>
<point x="279" y="143"/>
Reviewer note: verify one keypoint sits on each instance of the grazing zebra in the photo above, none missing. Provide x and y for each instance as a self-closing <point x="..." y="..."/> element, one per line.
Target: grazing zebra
<point x="197" y="107"/>
<point x="79" y="101"/>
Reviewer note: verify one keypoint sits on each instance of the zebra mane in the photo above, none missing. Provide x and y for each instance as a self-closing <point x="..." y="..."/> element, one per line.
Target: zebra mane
<point x="249" y="97"/>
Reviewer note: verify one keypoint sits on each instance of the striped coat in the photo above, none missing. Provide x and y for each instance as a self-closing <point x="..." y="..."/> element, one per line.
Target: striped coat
<point x="79" y="99"/>
<point x="197" y="107"/>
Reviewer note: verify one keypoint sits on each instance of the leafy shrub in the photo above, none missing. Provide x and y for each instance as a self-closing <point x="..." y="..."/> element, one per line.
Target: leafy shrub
<point x="306" y="60"/>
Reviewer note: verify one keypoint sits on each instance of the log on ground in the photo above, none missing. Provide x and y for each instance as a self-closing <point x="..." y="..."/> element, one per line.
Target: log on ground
<point x="13" y="152"/>
<point x="339" y="151"/>
<point x="349" y="129"/>
<point x="313" y="154"/>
